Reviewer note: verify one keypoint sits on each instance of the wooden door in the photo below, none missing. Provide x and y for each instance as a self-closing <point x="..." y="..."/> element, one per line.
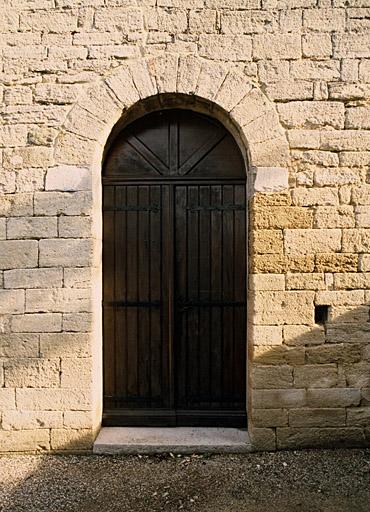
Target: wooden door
<point x="174" y="272"/>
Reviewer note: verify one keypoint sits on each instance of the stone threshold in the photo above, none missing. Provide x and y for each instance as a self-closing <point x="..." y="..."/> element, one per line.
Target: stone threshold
<point x="187" y="440"/>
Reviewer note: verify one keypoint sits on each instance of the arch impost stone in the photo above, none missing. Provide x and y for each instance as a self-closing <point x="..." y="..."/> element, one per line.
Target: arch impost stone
<point x="254" y="116"/>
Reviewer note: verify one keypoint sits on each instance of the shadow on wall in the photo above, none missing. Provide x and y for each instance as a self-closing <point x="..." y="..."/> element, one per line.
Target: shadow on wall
<point x="314" y="390"/>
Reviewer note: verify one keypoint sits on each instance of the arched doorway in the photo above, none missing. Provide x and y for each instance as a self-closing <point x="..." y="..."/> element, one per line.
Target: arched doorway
<point x="174" y="273"/>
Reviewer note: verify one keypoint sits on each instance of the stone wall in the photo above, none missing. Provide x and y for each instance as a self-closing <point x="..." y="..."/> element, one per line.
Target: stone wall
<point x="292" y="77"/>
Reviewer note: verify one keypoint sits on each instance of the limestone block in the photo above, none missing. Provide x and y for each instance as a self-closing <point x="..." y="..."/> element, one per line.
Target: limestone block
<point x="248" y="22"/>
<point x="24" y="440"/>
<point x="348" y="333"/>
<point x="119" y="19"/>
<point x="15" y="345"/>
<point x="273" y="282"/>
<point x="210" y="78"/>
<point x="13" y="135"/>
<point x="33" y="278"/>
<point x="364" y="71"/>
<point x="233" y="89"/>
<point x="77" y="277"/>
<point x="274" y="199"/>
<point x="288" y="4"/>
<point x="29" y="180"/>
<point x="317" y="417"/>
<point x="312" y="437"/>
<point x="279" y="308"/>
<point x="68" y="178"/>
<point x="281" y="217"/>
<point x="233" y="4"/>
<point x="2" y="229"/>
<point x="7" y="399"/>
<point x="277" y="46"/>
<point x="301" y="281"/>
<point x="316" y="376"/>
<point x="64" y="300"/>
<point x="267" y="335"/>
<point x="336" y="262"/>
<point x="317" y="46"/>
<point x="164" y="71"/>
<point x="172" y="21"/>
<point x="42" y="322"/>
<point x="56" y="93"/>
<point x="77" y="322"/>
<point x="202" y="21"/>
<point x="334" y="217"/>
<point x="358" y="118"/>
<point x="120" y="81"/>
<point x="358" y="417"/>
<point x="312" y="241"/>
<point x="17" y="158"/>
<point x="361" y="195"/>
<point x="32" y="373"/>
<point x="338" y="353"/>
<point x="350" y="70"/>
<point x="279" y="355"/>
<point x="262" y="129"/>
<point x="325" y="20"/>
<point x="358" y="375"/>
<point x="39" y="135"/>
<point x="253" y="105"/>
<point x="333" y="397"/>
<point x="272" y="377"/>
<point x="270" y="152"/>
<point x="29" y="420"/>
<point x="275" y="263"/>
<point x="340" y="298"/>
<point x="54" y="252"/>
<point x="289" y="90"/>
<point x="347" y="281"/>
<point x="74" y="227"/>
<point x="81" y="122"/>
<point x="356" y="240"/>
<point x="346" y="140"/>
<point x="228" y="48"/>
<point x="278" y="398"/>
<point x="274" y="71"/>
<point x="349" y="92"/>
<point x="76" y="372"/>
<point x="187" y="75"/>
<point x="66" y="439"/>
<point x="304" y="139"/>
<point x="51" y="114"/>
<point x="65" y="344"/>
<point x="267" y="241"/>
<point x="18" y="254"/>
<point x="71" y="149"/>
<point x="263" y="439"/>
<point x="32" y="227"/>
<point x="62" y="203"/>
<point x="364" y="263"/>
<point x="315" y="196"/>
<point x="295" y="335"/>
<point x="315" y="70"/>
<point x="352" y="46"/>
<point x="312" y="114"/>
<point x="114" y="51"/>
<point x="7" y="181"/>
<point x="48" y="21"/>
<point x="144" y="82"/>
<point x="43" y="399"/>
<point x="77" y="419"/>
<point x="270" y="417"/>
<point x="348" y="314"/>
<point x="336" y="177"/>
<point x="271" y="179"/>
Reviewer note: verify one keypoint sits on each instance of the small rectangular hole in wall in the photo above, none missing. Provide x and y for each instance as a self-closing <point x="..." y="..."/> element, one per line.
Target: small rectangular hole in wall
<point x="321" y="314"/>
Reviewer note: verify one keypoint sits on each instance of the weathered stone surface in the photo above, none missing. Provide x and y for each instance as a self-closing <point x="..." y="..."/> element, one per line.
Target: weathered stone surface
<point x="267" y="241"/>
<point x="336" y="262"/>
<point x="275" y="263"/>
<point x="296" y="335"/>
<point x="29" y="420"/>
<point x="19" y="345"/>
<point x="62" y="203"/>
<point x="317" y="417"/>
<point x="65" y="252"/>
<point x="270" y="307"/>
<point x="18" y="254"/>
<point x="278" y="398"/>
<point x="32" y="373"/>
<point x="65" y="300"/>
<point x="234" y="48"/>
<point x="68" y="440"/>
<point x="318" y="437"/>
<point x="270" y="417"/>
<point x="267" y="282"/>
<point x="267" y="335"/>
<point x="65" y="344"/>
<point x="38" y="399"/>
<point x="280" y="217"/>
<point x="316" y="376"/>
<point x="42" y="322"/>
<point x="312" y="114"/>
<point x="305" y="281"/>
<point x="68" y="178"/>
<point x="33" y="278"/>
<point x="32" y="227"/>
<point x="312" y="241"/>
<point x="339" y="353"/>
<point x="24" y="440"/>
<point x="274" y="377"/>
<point x="333" y="397"/>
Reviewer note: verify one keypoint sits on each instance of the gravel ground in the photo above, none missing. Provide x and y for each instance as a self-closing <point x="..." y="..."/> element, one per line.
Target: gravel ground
<point x="304" y="481"/>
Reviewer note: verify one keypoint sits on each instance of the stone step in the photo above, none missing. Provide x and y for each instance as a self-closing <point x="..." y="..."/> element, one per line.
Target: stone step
<point x="151" y="440"/>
